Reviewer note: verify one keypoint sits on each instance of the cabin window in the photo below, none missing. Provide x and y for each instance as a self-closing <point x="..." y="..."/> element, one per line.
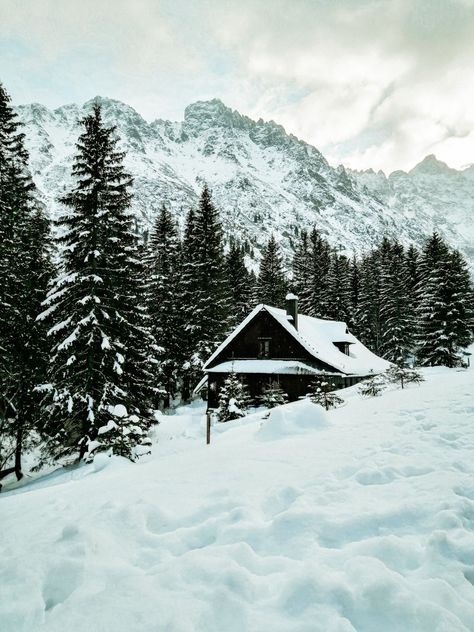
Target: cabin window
<point x="264" y="347"/>
<point x="343" y="347"/>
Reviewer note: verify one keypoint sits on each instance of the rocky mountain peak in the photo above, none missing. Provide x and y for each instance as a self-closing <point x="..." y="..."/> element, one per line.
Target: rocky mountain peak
<point x="203" y="115"/>
<point x="263" y="180"/>
<point x="430" y="165"/>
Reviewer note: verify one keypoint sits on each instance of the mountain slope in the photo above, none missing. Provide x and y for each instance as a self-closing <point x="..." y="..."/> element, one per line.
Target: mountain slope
<point x="263" y="179"/>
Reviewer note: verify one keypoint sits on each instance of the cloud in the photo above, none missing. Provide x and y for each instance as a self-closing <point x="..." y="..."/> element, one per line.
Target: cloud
<point x="372" y="83"/>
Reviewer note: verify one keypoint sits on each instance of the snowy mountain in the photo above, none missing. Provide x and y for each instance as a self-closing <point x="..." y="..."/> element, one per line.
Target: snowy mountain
<point x="263" y="179"/>
<point x="431" y="195"/>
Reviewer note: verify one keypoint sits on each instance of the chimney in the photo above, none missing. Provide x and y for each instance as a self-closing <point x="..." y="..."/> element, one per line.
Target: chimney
<point x="292" y="309"/>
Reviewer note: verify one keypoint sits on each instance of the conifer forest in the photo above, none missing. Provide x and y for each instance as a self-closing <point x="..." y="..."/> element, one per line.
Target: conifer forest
<point x="101" y="324"/>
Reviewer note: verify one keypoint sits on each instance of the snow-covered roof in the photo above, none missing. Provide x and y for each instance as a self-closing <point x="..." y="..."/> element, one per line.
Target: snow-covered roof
<point x="317" y="336"/>
<point x="278" y="367"/>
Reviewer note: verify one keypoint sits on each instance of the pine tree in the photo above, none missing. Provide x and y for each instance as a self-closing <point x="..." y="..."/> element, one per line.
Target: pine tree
<point x="320" y="261"/>
<point x="354" y="278"/>
<point x="444" y="312"/>
<point x="367" y="315"/>
<point x="301" y="272"/>
<point x="396" y="308"/>
<point x="99" y="371"/>
<point x="233" y="399"/>
<point x="338" y="290"/>
<point x="24" y="270"/>
<point x="273" y="395"/>
<point x="188" y="291"/>
<point x="163" y="259"/>
<point x="373" y="386"/>
<point x="205" y="291"/>
<point x="271" y="283"/>
<point x="240" y="284"/>
<point x="413" y="272"/>
<point x="322" y="392"/>
<point x="403" y="375"/>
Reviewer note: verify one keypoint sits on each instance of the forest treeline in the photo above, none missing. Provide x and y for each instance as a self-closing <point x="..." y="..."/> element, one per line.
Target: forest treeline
<point x="99" y="328"/>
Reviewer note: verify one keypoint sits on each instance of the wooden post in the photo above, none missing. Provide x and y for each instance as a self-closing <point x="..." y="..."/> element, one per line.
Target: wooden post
<point x="208" y="426"/>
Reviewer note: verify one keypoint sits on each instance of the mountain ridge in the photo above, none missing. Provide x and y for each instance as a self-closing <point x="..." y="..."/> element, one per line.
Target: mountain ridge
<point x="263" y="179"/>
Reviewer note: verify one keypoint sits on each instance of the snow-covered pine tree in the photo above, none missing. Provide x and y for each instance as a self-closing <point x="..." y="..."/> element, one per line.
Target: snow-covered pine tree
<point x="403" y="375"/>
<point x="301" y="272"/>
<point x="373" y="386"/>
<point x="462" y="312"/>
<point x="233" y="399"/>
<point x="320" y="260"/>
<point x="367" y="308"/>
<point x="444" y="311"/>
<point x="354" y="276"/>
<point x="396" y="308"/>
<point x="369" y="315"/>
<point x="97" y="324"/>
<point x="188" y="373"/>
<point x="271" y="282"/>
<point x="163" y="259"/>
<point x="412" y="265"/>
<point x="205" y="290"/>
<point x="337" y="297"/>
<point x="240" y="284"/>
<point x="24" y="270"/>
<point x="322" y="392"/>
<point x="273" y="395"/>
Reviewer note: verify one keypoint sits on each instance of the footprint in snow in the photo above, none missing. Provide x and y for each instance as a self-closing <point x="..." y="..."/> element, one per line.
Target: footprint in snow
<point x="65" y="572"/>
<point x="280" y="501"/>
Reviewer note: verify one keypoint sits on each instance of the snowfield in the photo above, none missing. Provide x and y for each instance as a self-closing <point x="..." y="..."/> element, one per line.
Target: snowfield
<point x="359" y="519"/>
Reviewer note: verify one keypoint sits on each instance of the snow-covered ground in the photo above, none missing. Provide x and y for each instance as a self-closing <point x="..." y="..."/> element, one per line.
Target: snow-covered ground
<point x="357" y="519"/>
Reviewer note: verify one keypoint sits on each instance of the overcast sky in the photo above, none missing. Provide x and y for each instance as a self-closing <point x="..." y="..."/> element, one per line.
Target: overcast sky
<point x="371" y="83"/>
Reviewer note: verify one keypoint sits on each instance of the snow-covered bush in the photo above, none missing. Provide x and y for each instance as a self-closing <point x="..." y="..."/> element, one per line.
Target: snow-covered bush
<point x="273" y="395"/>
<point x="403" y="375"/>
<point x="233" y="399"/>
<point x="321" y="392"/>
<point x="373" y="386"/>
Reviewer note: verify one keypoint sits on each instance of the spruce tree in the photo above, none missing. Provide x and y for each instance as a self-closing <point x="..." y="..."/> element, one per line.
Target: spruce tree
<point x="396" y="308"/>
<point x="163" y="301"/>
<point x="301" y="272"/>
<point x="188" y="291"/>
<point x="205" y="290"/>
<point x="367" y="308"/>
<point x="24" y="270"/>
<point x="413" y="272"/>
<point x="354" y="276"/>
<point x="273" y="395"/>
<point x="445" y="308"/>
<point x="233" y="399"/>
<point x="100" y="376"/>
<point x="373" y="386"/>
<point x="403" y="375"/>
<point x="320" y="261"/>
<point x="337" y="298"/>
<point x="271" y="283"/>
<point x="240" y="284"/>
<point x="322" y="392"/>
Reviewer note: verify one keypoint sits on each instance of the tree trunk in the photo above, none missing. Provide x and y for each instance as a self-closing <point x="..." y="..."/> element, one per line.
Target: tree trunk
<point x="18" y="452"/>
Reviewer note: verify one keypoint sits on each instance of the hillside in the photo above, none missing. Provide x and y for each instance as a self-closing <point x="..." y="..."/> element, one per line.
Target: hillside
<point x="360" y="519"/>
<point x="263" y="179"/>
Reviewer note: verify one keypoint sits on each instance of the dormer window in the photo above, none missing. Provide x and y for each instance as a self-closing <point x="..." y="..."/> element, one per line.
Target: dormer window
<point x="342" y="346"/>
<point x="264" y="347"/>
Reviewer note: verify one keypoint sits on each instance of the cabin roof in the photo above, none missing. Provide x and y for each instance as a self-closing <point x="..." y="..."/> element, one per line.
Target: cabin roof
<point x="317" y="336"/>
<point x="278" y="367"/>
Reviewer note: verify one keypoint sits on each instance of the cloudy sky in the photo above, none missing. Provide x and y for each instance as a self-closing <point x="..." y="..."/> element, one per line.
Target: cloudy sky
<point x="371" y="83"/>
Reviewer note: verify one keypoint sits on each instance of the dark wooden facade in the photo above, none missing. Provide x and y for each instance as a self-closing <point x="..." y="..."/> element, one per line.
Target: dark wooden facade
<point x="265" y="338"/>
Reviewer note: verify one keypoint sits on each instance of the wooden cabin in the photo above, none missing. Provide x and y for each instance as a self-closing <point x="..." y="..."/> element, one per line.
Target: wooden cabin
<point x="272" y="345"/>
